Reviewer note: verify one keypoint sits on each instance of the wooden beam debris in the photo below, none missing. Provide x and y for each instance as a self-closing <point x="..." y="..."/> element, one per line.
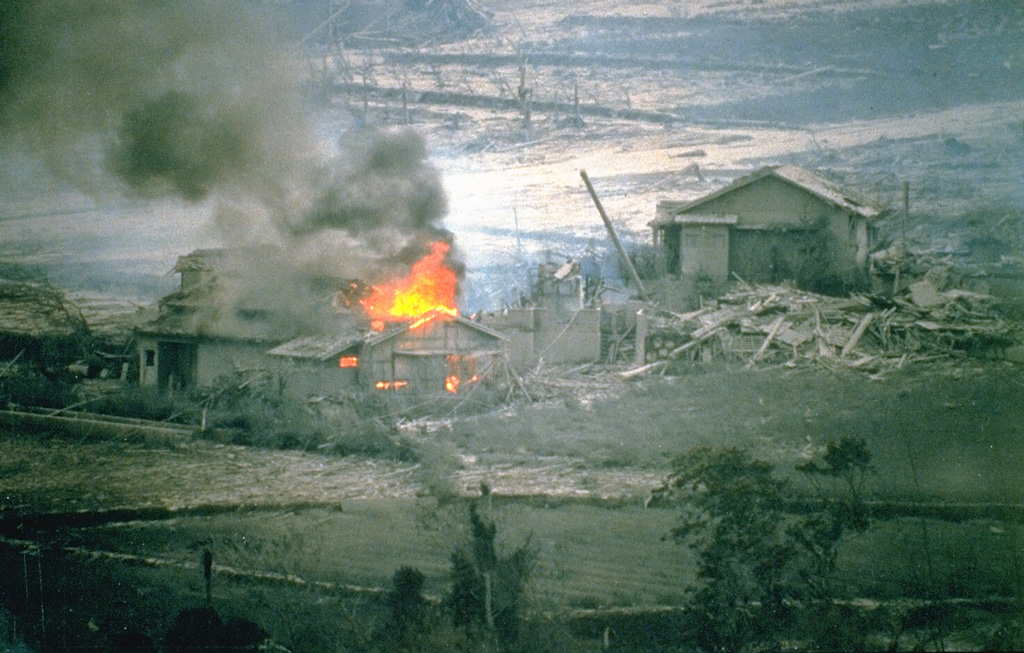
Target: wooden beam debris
<point x="776" y="325"/>
<point x="858" y="333"/>
<point x="888" y="333"/>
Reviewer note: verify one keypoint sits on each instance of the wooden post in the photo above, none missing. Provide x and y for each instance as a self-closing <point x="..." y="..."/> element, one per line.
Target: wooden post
<point x="615" y="238"/>
<point x="906" y="212"/>
<point x="208" y="572"/>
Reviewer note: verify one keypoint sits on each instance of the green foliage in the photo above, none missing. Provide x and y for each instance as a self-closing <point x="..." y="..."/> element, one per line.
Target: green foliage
<point x="405" y="603"/>
<point x="754" y="558"/>
<point x="845" y="466"/>
<point x="31" y="386"/>
<point x="731" y="520"/>
<point x="487" y="588"/>
<point x="646" y="260"/>
<point x="146" y="403"/>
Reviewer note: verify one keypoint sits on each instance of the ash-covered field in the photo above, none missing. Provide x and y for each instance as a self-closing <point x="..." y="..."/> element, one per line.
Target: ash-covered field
<point x="656" y="100"/>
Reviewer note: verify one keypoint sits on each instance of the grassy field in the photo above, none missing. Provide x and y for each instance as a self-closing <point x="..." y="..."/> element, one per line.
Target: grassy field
<point x="589" y="557"/>
<point x="948" y="432"/>
<point x="944" y="433"/>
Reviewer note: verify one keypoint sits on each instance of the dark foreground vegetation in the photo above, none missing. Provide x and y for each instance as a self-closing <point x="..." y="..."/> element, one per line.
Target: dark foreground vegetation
<point x="237" y="411"/>
<point x="767" y="573"/>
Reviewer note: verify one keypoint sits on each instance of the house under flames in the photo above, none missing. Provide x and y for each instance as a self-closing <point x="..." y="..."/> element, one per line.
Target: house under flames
<point x="779" y="223"/>
<point x="438" y="353"/>
<point x="198" y="337"/>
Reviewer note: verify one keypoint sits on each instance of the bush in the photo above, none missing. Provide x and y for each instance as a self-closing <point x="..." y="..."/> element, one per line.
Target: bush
<point x="756" y="560"/>
<point x="30" y="386"/>
<point x="487" y="588"/>
<point x="147" y="403"/>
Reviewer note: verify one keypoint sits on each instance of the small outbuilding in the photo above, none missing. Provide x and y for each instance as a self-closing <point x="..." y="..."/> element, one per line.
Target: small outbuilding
<point x="434" y="354"/>
<point x="779" y="223"/>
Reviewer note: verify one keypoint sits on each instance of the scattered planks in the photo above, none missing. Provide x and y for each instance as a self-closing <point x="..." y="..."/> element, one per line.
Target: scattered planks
<point x="778" y="323"/>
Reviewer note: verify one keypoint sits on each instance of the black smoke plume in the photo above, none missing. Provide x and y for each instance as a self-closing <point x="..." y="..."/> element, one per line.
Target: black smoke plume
<point x="203" y="100"/>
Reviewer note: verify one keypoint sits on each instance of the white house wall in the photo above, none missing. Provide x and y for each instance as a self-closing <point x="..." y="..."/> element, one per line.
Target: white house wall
<point x="220" y="358"/>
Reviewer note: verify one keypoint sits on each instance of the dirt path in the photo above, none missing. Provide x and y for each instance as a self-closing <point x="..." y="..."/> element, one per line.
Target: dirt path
<point x="57" y="476"/>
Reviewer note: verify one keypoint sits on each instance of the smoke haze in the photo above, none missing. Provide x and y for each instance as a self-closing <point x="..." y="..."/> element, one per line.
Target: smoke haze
<point x="204" y="101"/>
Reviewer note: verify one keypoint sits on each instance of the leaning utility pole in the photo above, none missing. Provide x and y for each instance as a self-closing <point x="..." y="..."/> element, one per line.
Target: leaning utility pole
<point x="615" y="238"/>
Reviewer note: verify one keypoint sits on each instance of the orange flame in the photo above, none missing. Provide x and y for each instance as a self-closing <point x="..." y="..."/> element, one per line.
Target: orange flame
<point x="428" y="289"/>
<point x="451" y="384"/>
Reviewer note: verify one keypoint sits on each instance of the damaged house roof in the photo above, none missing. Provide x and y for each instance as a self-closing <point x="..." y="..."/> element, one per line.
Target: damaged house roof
<point x="811" y="182"/>
<point x="200" y="259"/>
<point x="393" y="331"/>
<point x="318" y="347"/>
<point x="326" y="347"/>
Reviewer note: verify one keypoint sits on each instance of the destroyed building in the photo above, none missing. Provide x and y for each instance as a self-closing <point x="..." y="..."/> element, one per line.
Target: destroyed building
<point x="203" y="331"/>
<point x="438" y="353"/>
<point x="196" y="335"/>
<point x="779" y="223"/>
<point x="556" y="324"/>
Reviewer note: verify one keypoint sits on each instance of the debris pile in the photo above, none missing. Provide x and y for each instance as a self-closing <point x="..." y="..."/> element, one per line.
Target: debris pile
<point x="783" y="324"/>
<point x="38" y="309"/>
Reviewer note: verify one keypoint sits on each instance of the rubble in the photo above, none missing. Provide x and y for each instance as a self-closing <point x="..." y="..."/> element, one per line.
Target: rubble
<point x="781" y="324"/>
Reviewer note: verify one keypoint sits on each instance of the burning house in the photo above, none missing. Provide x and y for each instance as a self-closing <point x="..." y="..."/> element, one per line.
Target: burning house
<point x="403" y="335"/>
<point x="201" y="332"/>
<point x="434" y="354"/>
<point x="779" y="223"/>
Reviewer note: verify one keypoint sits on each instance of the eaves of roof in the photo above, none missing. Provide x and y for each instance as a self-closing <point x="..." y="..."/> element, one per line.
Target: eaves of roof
<point x="804" y="179"/>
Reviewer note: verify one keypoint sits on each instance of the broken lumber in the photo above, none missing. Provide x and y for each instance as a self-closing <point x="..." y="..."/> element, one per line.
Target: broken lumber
<point x="858" y="333"/>
<point x="643" y="369"/>
<point x="767" y="341"/>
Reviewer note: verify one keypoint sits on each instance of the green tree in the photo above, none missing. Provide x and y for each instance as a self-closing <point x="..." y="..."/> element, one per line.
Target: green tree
<point x="405" y="602"/>
<point x="487" y="588"/>
<point x="758" y="561"/>
<point x="732" y="512"/>
<point x="838" y="479"/>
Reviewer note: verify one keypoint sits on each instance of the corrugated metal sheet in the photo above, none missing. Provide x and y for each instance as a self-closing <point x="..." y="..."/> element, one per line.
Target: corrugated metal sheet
<point x="318" y="347"/>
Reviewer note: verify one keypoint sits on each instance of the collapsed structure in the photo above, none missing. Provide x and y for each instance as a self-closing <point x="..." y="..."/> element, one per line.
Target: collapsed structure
<point x="779" y="223"/>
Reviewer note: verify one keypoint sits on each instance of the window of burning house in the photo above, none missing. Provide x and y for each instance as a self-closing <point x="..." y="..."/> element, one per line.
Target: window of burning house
<point x="462" y="369"/>
<point x="348" y="361"/>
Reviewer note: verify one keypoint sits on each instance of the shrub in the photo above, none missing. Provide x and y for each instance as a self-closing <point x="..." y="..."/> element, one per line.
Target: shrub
<point x="146" y="403"/>
<point x="487" y="588"/>
<point x="755" y="559"/>
<point x="30" y="386"/>
<point x="405" y="602"/>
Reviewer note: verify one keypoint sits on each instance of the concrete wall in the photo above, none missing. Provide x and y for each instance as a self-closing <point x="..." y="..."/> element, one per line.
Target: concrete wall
<point x="518" y="325"/>
<point x="556" y="335"/>
<point x="214" y="358"/>
<point x="566" y="339"/>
